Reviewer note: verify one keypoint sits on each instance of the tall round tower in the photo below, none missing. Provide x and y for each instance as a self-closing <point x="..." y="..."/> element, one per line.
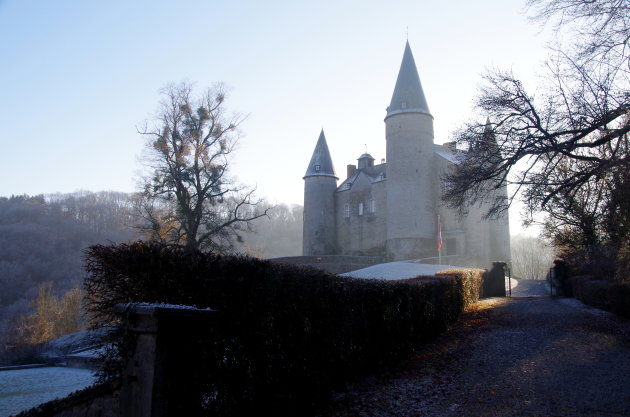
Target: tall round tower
<point x="320" y="185"/>
<point x="411" y="175"/>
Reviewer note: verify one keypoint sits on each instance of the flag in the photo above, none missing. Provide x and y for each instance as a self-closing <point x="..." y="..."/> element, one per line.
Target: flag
<point x="439" y="233"/>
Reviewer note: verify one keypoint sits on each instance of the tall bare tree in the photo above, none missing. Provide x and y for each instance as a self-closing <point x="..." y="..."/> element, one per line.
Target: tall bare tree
<point x="579" y="111"/>
<point x="188" y="198"/>
<point x="563" y="147"/>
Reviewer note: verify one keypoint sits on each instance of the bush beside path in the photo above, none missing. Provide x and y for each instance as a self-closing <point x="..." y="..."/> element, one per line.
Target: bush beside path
<point x="534" y="356"/>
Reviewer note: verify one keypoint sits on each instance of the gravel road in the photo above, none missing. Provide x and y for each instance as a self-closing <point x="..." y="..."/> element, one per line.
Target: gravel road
<point x="535" y="356"/>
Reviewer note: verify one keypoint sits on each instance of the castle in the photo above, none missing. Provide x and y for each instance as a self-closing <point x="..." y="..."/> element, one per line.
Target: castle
<point x="394" y="209"/>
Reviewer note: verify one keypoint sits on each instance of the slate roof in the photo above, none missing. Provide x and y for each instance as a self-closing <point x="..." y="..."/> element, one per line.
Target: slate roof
<point x="321" y="163"/>
<point x="454" y="158"/>
<point x="408" y="95"/>
<point x="377" y="173"/>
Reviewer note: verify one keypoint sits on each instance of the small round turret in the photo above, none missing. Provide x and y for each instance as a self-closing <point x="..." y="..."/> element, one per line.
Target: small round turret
<point x="320" y="185"/>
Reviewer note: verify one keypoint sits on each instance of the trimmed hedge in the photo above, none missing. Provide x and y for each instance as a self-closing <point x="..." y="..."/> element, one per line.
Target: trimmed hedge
<point x="576" y="284"/>
<point x="619" y="299"/>
<point x="606" y="295"/>
<point x="287" y="336"/>
<point x="595" y="293"/>
<point x="469" y="283"/>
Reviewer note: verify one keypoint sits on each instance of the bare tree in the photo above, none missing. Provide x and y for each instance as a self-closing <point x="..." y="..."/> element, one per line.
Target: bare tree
<point x="580" y="110"/>
<point x="188" y="198"/>
<point x="531" y="257"/>
<point x="564" y="149"/>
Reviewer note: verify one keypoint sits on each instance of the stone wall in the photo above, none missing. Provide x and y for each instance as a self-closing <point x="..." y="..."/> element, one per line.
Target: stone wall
<point x="362" y="234"/>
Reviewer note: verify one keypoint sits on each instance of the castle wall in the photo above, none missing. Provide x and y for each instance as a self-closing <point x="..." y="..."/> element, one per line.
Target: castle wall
<point x="362" y="234"/>
<point x="453" y="236"/>
<point x="487" y="239"/>
<point x="499" y="230"/>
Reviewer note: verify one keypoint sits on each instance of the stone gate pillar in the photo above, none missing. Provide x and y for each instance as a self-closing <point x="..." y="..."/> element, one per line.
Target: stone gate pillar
<point x="145" y="386"/>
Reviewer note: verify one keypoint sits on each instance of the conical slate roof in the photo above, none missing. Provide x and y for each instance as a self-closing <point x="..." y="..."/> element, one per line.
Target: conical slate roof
<point x="485" y="147"/>
<point x="321" y="162"/>
<point x="489" y="138"/>
<point x="408" y="96"/>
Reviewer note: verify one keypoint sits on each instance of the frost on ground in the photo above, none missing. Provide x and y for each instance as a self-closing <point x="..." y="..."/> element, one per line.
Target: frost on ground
<point x="25" y="388"/>
<point x="528" y="357"/>
<point x="397" y="270"/>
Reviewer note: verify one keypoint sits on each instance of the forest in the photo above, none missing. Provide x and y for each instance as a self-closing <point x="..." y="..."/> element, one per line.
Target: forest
<point x="43" y="239"/>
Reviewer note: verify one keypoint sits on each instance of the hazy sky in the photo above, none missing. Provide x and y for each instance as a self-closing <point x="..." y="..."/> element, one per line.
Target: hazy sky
<point x="78" y="77"/>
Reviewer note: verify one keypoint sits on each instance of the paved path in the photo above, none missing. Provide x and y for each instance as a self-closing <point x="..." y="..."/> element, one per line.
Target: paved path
<point x="533" y="356"/>
<point x="529" y="287"/>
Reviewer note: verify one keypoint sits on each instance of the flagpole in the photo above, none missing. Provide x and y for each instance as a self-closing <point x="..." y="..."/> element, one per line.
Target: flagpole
<point x="439" y="240"/>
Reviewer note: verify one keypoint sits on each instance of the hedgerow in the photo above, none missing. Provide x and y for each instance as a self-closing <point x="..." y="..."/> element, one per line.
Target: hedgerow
<point x="286" y="336"/>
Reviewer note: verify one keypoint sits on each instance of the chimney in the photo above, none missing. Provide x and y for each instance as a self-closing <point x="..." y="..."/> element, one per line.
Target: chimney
<point x="351" y="170"/>
<point x="451" y="146"/>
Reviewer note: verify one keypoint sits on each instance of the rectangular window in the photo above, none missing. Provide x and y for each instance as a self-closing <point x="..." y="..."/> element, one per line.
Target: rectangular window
<point x="346" y="211"/>
<point x="372" y="206"/>
<point x="361" y="209"/>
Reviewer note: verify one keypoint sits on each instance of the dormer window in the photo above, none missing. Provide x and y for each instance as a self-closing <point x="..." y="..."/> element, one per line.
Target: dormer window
<point x="318" y="168"/>
<point x="403" y="104"/>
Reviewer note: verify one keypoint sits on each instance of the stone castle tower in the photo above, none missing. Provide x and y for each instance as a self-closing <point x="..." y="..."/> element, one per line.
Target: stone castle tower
<point x="393" y="209"/>
<point x="320" y="185"/>
<point x="410" y="171"/>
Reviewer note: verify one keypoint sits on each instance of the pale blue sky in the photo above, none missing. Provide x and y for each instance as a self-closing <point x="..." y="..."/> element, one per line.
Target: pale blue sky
<point x="77" y="77"/>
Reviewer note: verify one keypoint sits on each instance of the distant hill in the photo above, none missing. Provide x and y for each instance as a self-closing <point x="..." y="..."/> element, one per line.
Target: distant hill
<point x="42" y="239"/>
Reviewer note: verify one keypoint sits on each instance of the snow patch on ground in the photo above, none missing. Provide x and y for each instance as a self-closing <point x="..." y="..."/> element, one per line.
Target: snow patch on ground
<point x="25" y="388"/>
<point x="72" y="343"/>
<point x="397" y="270"/>
<point x="589" y="309"/>
<point x="167" y="306"/>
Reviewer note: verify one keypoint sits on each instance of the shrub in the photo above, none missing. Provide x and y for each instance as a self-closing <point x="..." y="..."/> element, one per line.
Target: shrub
<point x="595" y="293"/>
<point x="469" y="283"/>
<point x="577" y="284"/>
<point x="287" y="336"/>
<point x="619" y="299"/>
